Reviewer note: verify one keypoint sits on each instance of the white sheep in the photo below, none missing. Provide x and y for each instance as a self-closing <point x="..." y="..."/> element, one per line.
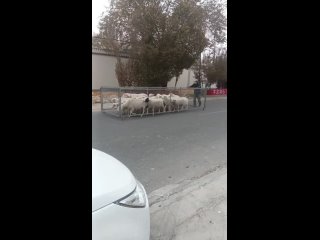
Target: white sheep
<point x="135" y="104"/>
<point x="156" y="102"/>
<point x="131" y="103"/>
<point x="174" y="95"/>
<point x="180" y="102"/>
<point x="167" y="101"/>
<point x="134" y="95"/>
<point x="115" y="102"/>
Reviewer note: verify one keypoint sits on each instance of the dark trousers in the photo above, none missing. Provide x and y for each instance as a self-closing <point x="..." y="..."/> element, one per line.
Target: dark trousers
<point x="197" y="96"/>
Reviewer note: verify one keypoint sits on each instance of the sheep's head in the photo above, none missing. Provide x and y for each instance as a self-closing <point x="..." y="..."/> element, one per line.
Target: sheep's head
<point x="115" y="105"/>
<point x="146" y="100"/>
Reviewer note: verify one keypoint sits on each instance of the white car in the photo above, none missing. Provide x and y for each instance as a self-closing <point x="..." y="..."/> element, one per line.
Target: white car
<point x="120" y="207"/>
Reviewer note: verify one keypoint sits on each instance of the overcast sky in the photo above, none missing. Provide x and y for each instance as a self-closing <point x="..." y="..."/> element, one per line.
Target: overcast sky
<point x="98" y="6"/>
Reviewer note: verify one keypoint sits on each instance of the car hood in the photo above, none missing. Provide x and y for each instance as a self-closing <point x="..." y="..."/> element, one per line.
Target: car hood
<point x="111" y="180"/>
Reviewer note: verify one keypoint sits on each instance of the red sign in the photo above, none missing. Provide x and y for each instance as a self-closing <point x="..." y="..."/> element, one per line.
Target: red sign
<point x="217" y="92"/>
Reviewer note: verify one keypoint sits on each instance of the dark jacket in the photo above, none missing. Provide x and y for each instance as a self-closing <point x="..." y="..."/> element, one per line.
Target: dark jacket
<point x="196" y="85"/>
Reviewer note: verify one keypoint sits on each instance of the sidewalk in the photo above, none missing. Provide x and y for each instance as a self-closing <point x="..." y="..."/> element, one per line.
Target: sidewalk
<point x="209" y="97"/>
<point x="96" y="107"/>
<point x="191" y="209"/>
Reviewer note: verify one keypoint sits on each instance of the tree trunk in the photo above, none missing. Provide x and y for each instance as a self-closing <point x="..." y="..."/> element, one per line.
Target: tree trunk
<point x="175" y="85"/>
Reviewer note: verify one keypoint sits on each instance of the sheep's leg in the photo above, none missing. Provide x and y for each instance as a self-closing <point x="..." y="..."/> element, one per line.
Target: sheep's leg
<point x="142" y="111"/>
<point x="153" y="111"/>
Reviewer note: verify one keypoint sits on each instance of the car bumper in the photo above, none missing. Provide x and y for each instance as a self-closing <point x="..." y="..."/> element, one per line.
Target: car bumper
<point x="115" y="222"/>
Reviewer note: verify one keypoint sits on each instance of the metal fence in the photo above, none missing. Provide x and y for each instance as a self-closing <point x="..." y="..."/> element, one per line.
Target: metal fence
<point x="113" y="100"/>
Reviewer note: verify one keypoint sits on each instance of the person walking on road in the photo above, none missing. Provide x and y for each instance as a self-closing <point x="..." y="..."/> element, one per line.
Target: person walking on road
<point x="197" y="93"/>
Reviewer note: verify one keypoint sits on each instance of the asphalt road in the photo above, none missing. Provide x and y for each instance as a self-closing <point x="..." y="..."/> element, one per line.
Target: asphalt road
<point x="167" y="148"/>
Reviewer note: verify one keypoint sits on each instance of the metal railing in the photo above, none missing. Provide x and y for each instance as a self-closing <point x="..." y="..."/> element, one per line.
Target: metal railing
<point x="111" y="97"/>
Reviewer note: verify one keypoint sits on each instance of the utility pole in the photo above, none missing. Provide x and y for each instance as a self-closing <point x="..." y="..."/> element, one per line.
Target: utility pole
<point x="200" y="70"/>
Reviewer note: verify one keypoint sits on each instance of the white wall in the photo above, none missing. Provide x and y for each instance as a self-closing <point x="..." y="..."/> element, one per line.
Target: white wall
<point x="185" y="79"/>
<point x="103" y="72"/>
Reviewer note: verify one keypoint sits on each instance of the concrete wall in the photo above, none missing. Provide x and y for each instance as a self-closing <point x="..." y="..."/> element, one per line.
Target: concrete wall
<point x="103" y="69"/>
<point x="185" y="79"/>
<point x="103" y="72"/>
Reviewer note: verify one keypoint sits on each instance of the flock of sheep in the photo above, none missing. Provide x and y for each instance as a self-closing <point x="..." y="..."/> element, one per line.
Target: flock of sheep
<point x="133" y="103"/>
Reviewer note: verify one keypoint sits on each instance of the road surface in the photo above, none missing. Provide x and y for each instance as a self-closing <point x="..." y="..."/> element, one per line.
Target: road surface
<point x="167" y="148"/>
